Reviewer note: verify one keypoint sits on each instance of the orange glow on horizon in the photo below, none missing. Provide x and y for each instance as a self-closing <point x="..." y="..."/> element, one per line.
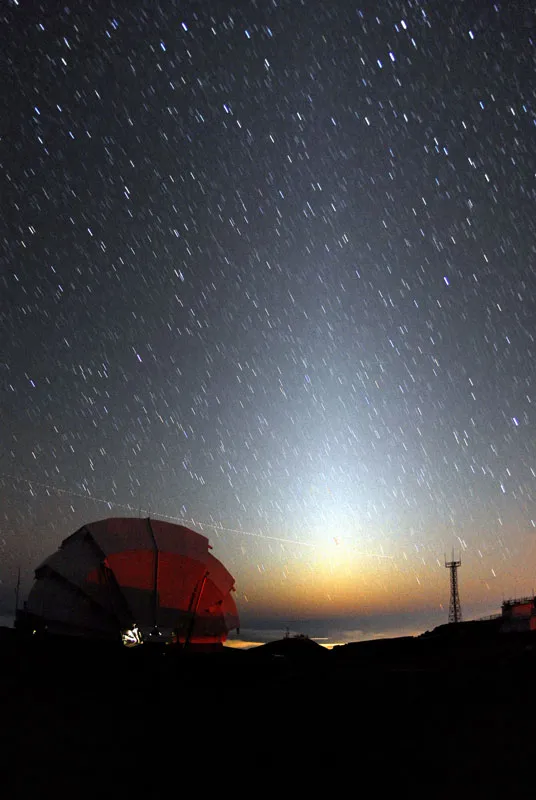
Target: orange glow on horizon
<point x="334" y="579"/>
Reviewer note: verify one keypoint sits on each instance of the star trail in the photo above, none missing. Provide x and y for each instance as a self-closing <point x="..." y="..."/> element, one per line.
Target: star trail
<point x="269" y="267"/>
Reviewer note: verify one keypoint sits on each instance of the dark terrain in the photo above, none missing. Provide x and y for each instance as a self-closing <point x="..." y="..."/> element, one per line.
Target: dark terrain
<point x="451" y="713"/>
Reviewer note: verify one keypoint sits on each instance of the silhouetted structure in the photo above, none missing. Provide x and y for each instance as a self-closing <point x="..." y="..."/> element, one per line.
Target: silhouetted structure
<point x="455" y="609"/>
<point x="140" y="579"/>
<point x="519" y="614"/>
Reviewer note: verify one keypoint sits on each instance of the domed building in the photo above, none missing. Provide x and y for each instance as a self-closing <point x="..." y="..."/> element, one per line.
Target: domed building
<point x="139" y="579"/>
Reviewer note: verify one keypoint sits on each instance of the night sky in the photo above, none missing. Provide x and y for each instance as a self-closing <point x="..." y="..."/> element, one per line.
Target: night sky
<point x="268" y="268"/>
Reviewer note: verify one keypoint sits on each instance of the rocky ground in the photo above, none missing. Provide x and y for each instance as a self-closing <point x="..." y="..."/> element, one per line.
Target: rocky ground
<point x="440" y="715"/>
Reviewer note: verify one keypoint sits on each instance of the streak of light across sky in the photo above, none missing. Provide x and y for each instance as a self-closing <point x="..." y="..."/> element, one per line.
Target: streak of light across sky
<point x="268" y="269"/>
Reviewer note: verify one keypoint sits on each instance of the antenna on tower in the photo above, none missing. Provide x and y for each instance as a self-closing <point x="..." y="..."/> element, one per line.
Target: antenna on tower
<point x="455" y="609"/>
<point x="17" y="592"/>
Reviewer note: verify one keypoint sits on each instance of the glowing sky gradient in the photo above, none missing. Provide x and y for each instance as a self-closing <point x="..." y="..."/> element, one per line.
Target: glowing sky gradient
<point x="270" y="267"/>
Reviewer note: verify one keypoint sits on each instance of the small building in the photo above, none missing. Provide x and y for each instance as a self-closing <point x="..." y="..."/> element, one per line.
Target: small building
<point x="519" y="614"/>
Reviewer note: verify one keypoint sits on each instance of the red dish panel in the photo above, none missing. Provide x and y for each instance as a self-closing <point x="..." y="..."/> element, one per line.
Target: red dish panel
<point x="189" y="578"/>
